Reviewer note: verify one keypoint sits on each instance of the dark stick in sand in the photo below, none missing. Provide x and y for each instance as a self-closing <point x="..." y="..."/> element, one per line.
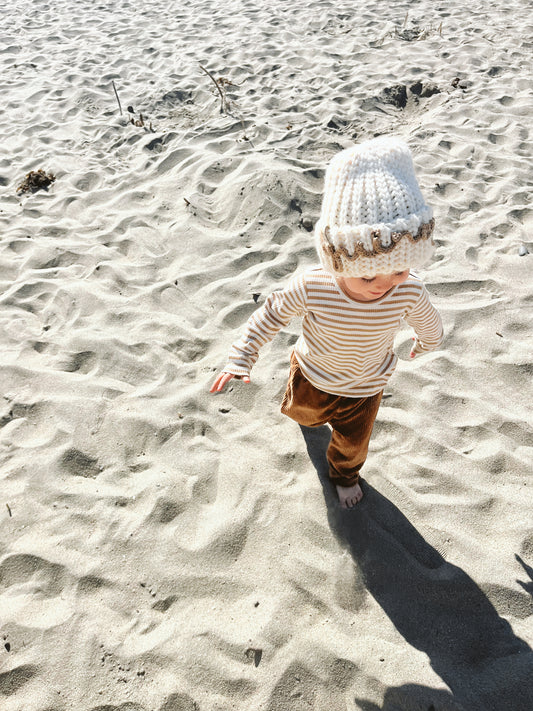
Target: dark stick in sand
<point x="223" y="100"/>
<point x="116" y="94"/>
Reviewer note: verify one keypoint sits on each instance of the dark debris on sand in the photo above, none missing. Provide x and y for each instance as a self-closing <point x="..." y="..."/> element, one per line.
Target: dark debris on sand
<point x="36" y="180"/>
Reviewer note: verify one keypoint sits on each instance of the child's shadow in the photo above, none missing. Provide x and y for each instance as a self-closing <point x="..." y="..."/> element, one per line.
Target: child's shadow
<point x="435" y="605"/>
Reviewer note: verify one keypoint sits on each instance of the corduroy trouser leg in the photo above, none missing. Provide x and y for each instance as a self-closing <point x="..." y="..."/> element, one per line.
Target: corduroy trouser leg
<point x="351" y="420"/>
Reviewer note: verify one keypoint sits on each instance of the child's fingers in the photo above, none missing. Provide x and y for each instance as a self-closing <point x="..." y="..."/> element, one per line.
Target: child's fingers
<point x="220" y="382"/>
<point x="223" y="379"/>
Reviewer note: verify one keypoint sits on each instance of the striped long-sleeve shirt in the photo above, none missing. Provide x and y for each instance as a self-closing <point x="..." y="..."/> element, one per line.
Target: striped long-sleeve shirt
<point x="346" y="346"/>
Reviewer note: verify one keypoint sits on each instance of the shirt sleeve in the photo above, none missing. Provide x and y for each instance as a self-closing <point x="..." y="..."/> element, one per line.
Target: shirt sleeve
<point x="427" y="323"/>
<point x="277" y="311"/>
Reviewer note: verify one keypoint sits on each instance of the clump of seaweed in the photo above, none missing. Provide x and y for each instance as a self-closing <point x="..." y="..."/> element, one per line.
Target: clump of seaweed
<point x="36" y="180"/>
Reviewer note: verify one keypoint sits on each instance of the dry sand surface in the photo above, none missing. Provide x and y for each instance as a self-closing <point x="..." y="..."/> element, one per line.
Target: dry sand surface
<point x="162" y="549"/>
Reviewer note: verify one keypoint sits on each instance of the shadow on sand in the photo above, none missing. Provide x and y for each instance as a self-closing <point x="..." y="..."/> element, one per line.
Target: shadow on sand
<point x="435" y="605"/>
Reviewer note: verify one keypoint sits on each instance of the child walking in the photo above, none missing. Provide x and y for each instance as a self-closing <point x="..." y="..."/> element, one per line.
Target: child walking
<point x="373" y="228"/>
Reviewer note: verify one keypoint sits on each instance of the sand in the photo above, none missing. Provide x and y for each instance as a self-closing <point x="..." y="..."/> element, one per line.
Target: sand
<point x="162" y="549"/>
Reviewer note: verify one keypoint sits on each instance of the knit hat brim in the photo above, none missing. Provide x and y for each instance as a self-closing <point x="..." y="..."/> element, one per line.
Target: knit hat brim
<point x="404" y="250"/>
<point x="374" y="218"/>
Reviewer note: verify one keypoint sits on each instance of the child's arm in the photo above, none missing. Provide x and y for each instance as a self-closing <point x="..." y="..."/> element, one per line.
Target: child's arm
<point x="277" y="312"/>
<point x="427" y="323"/>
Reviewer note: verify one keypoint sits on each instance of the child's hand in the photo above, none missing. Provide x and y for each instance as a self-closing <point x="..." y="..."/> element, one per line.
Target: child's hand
<point x="223" y="379"/>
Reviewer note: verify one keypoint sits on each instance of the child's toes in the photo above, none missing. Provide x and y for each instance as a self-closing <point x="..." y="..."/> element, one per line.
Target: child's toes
<point x="349" y="496"/>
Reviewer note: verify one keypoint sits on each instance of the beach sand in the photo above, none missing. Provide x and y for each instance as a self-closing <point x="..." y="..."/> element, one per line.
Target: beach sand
<point x="162" y="549"/>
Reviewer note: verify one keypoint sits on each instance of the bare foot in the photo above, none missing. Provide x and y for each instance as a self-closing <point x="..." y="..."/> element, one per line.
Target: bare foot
<point x="349" y="496"/>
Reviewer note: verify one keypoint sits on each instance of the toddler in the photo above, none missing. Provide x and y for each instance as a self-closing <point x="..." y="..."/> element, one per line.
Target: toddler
<point x="373" y="228"/>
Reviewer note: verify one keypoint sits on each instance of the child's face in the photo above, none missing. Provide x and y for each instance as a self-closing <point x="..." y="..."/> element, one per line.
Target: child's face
<point x="372" y="288"/>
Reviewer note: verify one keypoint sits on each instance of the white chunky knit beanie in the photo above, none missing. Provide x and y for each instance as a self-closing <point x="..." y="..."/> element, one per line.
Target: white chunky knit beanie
<point x="374" y="219"/>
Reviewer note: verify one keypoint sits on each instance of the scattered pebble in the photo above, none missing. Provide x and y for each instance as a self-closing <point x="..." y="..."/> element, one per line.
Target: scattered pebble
<point x="307" y="224"/>
<point x="523" y="250"/>
<point x="255" y="654"/>
<point x="461" y="83"/>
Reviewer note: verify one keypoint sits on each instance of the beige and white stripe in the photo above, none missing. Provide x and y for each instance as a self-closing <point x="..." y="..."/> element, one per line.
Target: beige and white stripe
<point x="346" y="346"/>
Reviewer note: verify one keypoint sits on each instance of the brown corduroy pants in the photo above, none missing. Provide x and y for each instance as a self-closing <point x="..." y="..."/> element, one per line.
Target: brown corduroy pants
<point x="351" y="420"/>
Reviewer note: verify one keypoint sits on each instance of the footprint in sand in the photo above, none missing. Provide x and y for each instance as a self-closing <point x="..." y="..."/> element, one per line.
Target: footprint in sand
<point x="45" y="578"/>
<point x="80" y="464"/>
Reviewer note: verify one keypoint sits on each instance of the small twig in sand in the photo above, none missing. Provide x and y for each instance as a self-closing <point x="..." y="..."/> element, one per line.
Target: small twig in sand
<point x="140" y="121"/>
<point x="190" y="204"/>
<point x="227" y="107"/>
<point x="9" y="510"/>
<point x="118" y="100"/>
<point x="245" y="137"/>
<point x="219" y="86"/>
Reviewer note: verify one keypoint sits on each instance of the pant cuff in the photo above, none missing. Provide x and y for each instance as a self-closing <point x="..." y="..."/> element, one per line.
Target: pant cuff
<point x="342" y="480"/>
